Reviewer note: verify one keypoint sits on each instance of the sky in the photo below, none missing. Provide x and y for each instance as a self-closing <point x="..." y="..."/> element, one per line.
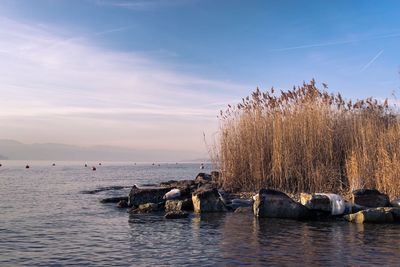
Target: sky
<point x="153" y="74"/>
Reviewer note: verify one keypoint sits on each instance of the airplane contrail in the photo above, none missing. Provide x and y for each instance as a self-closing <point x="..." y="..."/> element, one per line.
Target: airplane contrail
<point x="372" y="61"/>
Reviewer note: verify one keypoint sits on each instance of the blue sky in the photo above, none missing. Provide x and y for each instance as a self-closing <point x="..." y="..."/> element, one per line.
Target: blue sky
<point x="153" y="74"/>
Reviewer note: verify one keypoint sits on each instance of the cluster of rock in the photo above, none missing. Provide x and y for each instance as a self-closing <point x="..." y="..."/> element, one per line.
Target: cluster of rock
<point x="201" y="195"/>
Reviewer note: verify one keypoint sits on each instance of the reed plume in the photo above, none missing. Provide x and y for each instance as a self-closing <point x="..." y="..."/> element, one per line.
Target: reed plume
<point x="307" y="139"/>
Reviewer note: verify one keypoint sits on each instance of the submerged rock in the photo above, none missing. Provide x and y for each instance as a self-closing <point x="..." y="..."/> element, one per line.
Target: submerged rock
<point x="244" y="210"/>
<point x="123" y="204"/>
<point x="146" y="208"/>
<point x="101" y="189"/>
<point x="207" y="200"/>
<point x="179" y="205"/>
<point x="176" y="215"/>
<point x="275" y="204"/>
<point x="370" y="198"/>
<point x="113" y="199"/>
<point x="139" y="196"/>
<point x="374" y="215"/>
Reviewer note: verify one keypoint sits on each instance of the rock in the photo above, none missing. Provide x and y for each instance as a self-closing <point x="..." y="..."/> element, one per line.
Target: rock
<point x="275" y="204"/>
<point x="139" y="196"/>
<point x="179" y="205"/>
<point x="207" y="200"/>
<point x="324" y="203"/>
<point x="215" y="175"/>
<point x="395" y="212"/>
<point x="113" y="199"/>
<point x="244" y="210"/>
<point x="146" y="208"/>
<point x="396" y="203"/>
<point x="176" y="215"/>
<point x="374" y="215"/>
<point x="101" y="189"/>
<point x="180" y="184"/>
<point x="370" y="198"/>
<point x="173" y="194"/>
<point x="316" y="202"/>
<point x="123" y="204"/>
<point x="203" y="178"/>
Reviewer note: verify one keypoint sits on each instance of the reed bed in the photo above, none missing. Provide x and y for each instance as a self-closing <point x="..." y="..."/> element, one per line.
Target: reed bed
<point x="307" y="140"/>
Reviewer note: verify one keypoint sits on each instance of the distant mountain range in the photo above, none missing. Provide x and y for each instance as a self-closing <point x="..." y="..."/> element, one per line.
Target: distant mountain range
<point x="15" y="150"/>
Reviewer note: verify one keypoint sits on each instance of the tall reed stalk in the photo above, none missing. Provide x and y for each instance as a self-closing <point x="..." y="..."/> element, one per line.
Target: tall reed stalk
<point x="306" y="139"/>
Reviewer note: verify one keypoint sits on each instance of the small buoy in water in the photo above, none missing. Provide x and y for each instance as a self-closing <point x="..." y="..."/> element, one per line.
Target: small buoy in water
<point x="0" y="165"/>
<point x="135" y="163"/>
<point x="201" y="166"/>
<point x="93" y="168"/>
<point x="27" y="166"/>
<point x="99" y="163"/>
<point x="153" y="164"/>
<point x="54" y="164"/>
<point x="158" y="165"/>
<point x="85" y="164"/>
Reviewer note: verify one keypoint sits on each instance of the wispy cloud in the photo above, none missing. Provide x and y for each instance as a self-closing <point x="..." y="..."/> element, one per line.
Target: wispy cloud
<point x="140" y="4"/>
<point x="51" y="86"/>
<point x="339" y="42"/>
<point x="366" y="66"/>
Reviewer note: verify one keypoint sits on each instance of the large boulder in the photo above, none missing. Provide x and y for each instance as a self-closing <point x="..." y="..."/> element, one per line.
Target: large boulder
<point x="324" y="203"/>
<point x="395" y="203"/>
<point x="207" y="200"/>
<point x="318" y="202"/>
<point x="370" y="198"/>
<point x="179" y="205"/>
<point x="374" y="215"/>
<point x="275" y="204"/>
<point x="139" y="196"/>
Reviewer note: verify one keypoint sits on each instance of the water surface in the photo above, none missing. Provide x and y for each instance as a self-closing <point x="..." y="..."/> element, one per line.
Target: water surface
<point x="46" y="220"/>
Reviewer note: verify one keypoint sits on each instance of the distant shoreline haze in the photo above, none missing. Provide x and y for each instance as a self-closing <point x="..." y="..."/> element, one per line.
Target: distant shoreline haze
<point x="14" y="150"/>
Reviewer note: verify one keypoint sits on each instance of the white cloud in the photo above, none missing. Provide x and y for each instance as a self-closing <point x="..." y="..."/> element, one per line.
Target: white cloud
<point x="46" y="79"/>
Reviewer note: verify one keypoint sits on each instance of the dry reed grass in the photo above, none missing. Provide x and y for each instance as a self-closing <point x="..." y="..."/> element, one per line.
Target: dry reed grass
<point x="306" y="139"/>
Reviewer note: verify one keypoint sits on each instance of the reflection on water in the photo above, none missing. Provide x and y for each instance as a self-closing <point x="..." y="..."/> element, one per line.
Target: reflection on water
<point x="45" y="220"/>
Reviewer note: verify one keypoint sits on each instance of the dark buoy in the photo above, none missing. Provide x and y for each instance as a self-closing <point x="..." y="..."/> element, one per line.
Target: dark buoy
<point x="85" y="165"/>
<point x="54" y="164"/>
<point x="153" y="164"/>
<point x="99" y="163"/>
<point x="0" y="165"/>
<point x="27" y="166"/>
<point x="201" y="166"/>
<point x="93" y="168"/>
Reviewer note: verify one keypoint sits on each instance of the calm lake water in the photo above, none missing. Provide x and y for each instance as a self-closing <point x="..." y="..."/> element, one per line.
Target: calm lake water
<point x="46" y="220"/>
